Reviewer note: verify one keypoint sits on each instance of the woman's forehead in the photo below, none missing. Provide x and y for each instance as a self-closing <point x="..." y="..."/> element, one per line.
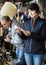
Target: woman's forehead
<point x="31" y="10"/>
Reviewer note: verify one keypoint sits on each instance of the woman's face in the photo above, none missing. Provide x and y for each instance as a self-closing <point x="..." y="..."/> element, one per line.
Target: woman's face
<point x="33" y="13"/>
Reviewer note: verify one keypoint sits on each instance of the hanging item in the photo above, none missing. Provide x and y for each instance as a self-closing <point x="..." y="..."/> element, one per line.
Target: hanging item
<point x="8" y="9"/>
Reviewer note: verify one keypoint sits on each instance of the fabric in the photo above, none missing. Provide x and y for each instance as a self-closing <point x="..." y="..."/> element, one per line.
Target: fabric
<point x="34" y="59"/>
<point x="16" y="40"/>
<point x="20" y="56"/>
<point x="35" y="42"/>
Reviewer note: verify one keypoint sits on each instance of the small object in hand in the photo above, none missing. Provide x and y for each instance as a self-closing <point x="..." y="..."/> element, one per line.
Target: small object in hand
<point x="15" y="27"/>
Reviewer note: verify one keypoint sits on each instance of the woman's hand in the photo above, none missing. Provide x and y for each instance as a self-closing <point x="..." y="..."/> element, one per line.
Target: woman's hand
<point x="17" y="29"/>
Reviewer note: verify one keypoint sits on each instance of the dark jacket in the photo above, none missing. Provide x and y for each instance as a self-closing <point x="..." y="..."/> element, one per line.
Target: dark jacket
<point x="35" y="42"/>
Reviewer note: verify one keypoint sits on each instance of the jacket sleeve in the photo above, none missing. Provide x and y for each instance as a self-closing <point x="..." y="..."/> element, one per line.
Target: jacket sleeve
<point x="41" y="36"/>
<point x="25" y="27"/>
<point x="23" y="36"/>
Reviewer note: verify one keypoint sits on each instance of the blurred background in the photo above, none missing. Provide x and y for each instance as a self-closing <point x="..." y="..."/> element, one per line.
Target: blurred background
<point x="23" y="3"/>
<point x="7" y="50"/>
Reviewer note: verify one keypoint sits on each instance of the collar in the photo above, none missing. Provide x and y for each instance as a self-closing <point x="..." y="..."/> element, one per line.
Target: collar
<point x="38" y="18"/>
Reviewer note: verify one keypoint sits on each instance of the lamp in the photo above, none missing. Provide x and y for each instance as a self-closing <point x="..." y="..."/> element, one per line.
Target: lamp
<point x="8" y="9"/>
